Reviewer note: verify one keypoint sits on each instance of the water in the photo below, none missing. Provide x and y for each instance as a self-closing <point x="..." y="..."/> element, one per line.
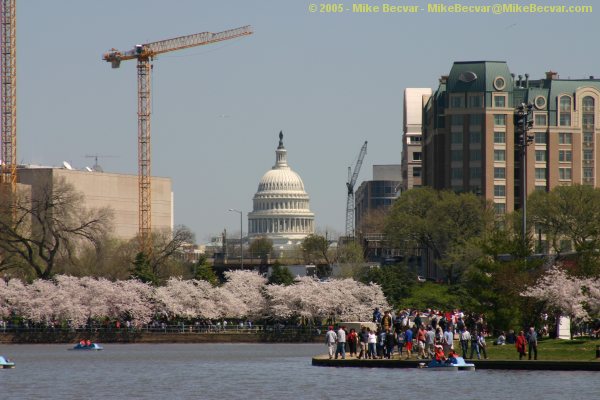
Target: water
<point x="256" y="371"/>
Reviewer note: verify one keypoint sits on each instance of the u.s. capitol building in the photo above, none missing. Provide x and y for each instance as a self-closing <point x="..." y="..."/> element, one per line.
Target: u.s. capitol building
<point x="280" y="206"/>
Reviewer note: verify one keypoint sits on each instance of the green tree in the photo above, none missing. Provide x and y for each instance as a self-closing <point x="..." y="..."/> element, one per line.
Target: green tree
<point x="261" y="247"/>
<point x="315" y="249"/>
<point x="204" y="271"/>
<point x="570" y="213"/>
<point x="351" y="259"/>
<point x="396" y="281"/>
<point x="280" y="275"/>
<point x="142" y="269"/>
<point x="441" y="222"/>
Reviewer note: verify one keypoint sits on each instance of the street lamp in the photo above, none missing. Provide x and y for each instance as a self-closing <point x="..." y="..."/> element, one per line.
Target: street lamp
<point x="241" y="236"/>
<point x="523" y="123"/>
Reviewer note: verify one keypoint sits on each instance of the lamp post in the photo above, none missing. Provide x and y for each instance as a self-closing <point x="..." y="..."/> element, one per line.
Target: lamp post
<point x="241" y="236"/>
<point x="524" y="122"/>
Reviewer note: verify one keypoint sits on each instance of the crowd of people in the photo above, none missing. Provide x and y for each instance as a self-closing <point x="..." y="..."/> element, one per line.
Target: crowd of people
<point x="429" y="334"/>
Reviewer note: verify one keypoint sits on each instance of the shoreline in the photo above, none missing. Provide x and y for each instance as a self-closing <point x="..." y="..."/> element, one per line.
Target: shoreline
<point x="527" y="365"/>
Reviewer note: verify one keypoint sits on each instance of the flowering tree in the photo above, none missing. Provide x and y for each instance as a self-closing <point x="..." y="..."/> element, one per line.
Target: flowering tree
<point x="563" y="294"/>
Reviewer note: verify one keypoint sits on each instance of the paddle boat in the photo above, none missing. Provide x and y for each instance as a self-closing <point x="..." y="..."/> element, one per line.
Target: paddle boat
<point x="87" y="346"/>
<point x="6" y="363"/>
<point x="452" y="364"/>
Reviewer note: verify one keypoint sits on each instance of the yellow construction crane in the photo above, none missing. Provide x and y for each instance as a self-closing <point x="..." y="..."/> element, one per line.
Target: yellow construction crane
<point x="8" y="82"/>
<point x="144" y="54"/>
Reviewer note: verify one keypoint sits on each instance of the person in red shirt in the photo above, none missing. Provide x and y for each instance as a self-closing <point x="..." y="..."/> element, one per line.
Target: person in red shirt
<point x="520" y="344"/>
<point x="352" y="342"/>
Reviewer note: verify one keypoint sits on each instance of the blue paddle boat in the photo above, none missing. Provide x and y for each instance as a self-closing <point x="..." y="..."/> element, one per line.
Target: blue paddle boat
<point x="452" y="364"/>
<point x="6" y="363"/>
<point x="86" y="347"/>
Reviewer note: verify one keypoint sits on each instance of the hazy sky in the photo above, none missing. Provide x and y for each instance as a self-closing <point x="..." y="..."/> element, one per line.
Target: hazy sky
<point x="329" y="81"/>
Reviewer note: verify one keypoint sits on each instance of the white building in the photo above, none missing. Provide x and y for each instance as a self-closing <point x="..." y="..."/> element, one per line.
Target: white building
<point x="412" y="153"/>
<point x="280" y="206"/>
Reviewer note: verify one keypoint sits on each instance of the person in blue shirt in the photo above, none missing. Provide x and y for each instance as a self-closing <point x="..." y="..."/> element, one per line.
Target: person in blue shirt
<point x="408" y="337"/>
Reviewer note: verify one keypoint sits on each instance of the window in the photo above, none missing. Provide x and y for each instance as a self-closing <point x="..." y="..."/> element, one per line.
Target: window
<point x="499" y="155"/>
<point x="564" y="156"/>
<point x="456" y="173"/>
<point x="499" y="137"/>
<point x="416" y="172"/>
<point x="456" y="155"/>
<point x="475" y="172"/>
<point x="540" y="102"/>
<point x="500" y="208"/>
<point x="417" y="156"/>
<point x="541" y="120"/>
<point x="499" y="83"/>
<point x="588" y="104"/>
<point x="565" y="138"/>
<point x="476" y="120"/>
<point x="564" y="174"/>
<point x="565" y="111"/>
<point x="540" y="188"/>
<point x="499" y="173"/>
<point x="588" y="173"/>
<point x="499" y="101"/>
<point x="457" y="101"/>
<point x="588" y="154"/>
<point x="500" y="119"/>
<point x="475" y="155"/>
<point x="540" y="155"/>
<point x="456" y="138"/>
<point x="540" y="173"/>
<point x="474" y="137"/>
<point x="499" y="190"/>
<point x="565" y="119"/>
<point x="414" y="139"/>
<point x="475" y="101"/>
<point x="588" y="137"/>
<point x="587" y="121"/>
<point x="540" y="138"/>
<point x="457" y="121"/>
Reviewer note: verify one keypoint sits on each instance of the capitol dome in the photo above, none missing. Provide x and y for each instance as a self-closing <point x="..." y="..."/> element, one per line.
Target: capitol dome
<point x="281" y="205"/>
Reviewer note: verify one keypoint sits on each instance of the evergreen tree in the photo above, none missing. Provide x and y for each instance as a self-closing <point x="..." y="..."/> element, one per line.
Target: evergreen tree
<point x="142" y="269"/>
<point x="203" y="271"/>
<point x="280" y="275"/>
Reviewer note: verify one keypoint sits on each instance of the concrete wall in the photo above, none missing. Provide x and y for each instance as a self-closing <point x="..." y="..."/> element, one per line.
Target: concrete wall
<point x="117" y="191"/>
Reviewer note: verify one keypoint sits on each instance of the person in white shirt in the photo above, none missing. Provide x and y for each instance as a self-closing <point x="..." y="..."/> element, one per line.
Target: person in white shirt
<point x="330" y="340"/>
<point x="341" y="343"/>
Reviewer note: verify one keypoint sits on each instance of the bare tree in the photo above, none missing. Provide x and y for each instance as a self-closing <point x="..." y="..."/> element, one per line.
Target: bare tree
<point x="38" y="230"/>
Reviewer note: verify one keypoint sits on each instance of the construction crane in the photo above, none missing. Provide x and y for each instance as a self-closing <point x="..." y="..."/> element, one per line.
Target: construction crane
<point x="350" y="186"/>
<point x="144" y="54"/>
<point x="8" y="81"/>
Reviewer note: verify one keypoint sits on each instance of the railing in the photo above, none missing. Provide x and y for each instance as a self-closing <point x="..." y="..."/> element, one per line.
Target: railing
<point x="182" y="328"/>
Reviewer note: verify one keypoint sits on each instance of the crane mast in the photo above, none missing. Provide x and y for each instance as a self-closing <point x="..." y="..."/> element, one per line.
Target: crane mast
<point x="144" y="54"/>
<point x="8" y="81"/>
<point x="350" y="206"/>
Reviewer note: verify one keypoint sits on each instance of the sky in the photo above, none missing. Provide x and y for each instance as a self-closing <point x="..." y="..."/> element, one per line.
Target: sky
<point x="329" y="81"/>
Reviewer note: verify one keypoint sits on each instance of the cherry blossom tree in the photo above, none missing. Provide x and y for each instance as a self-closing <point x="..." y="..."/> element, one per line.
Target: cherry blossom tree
<point x="562" y="294"/>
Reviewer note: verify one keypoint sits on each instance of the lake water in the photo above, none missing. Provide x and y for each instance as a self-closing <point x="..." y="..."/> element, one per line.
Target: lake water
<point x="257" y="371"/>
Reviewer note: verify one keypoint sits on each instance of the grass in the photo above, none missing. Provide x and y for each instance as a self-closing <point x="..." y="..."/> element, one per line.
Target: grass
<point x="548" y="349"/>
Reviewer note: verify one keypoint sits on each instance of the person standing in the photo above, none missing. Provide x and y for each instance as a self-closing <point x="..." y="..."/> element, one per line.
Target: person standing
<point x="430" y="342"/>
<point x="482" y="344"/>
<point x="520" y="344"/>
<point x="448" y="340"/>
<point x="421" y="342"/>
<point x="364" y="342"/>
<point x="464" y="338"/>
<point x="386" y="321"/>
<point x="352" y="342"/>
<point x="341" y="343"/>
<point x="372" y="344"/>
<point x="390" y="342"/>
<point x="475" y="345"/>
<point x="330" y="340"/>
<point x="400" y="338"/>
<point x="408" y="341"/>
<point x="533" y="342"/>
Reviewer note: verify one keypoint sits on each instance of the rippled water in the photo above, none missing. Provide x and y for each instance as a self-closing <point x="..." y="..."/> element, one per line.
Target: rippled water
<point x="257" y="371"/>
